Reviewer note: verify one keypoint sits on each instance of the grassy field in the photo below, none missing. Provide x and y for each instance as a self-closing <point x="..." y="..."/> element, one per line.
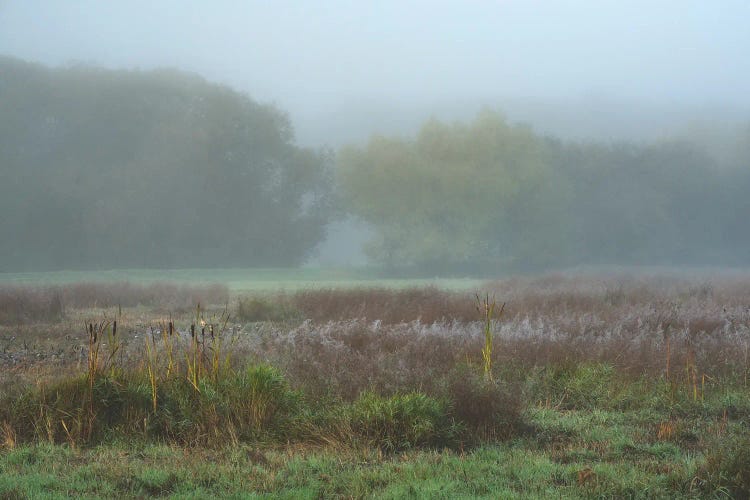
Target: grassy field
<point x="241" y="280"/>
<point x="603" y="455"/>
<point x="629" y="387"/>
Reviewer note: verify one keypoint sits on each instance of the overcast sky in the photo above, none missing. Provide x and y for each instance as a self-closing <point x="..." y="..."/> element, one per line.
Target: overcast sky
<point x="318" y="59"/>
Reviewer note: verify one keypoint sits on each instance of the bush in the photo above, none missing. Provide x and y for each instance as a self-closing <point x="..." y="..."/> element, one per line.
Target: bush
<point x="402" y="421"/>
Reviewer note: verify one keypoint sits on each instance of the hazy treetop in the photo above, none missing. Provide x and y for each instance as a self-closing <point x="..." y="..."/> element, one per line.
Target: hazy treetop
<point x="310" y="57"/>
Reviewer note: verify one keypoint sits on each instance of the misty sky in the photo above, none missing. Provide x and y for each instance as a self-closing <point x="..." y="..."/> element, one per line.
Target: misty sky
<point x="321" y="60"/>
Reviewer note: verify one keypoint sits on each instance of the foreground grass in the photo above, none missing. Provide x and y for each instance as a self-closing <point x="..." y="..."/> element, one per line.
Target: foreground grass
<point x="655" y="448"/>
<point x="160" y="470"/>
<point x="570" y="455"/>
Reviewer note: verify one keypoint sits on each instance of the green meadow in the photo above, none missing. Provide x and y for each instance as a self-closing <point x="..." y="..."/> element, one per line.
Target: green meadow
<point x="242" y="279"/>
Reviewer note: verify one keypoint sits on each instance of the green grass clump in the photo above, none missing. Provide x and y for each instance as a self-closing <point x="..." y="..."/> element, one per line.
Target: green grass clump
<point x="156" y="482"/>
<point x="254" y="404"/>
<point x="580" y="386"/>
<point x="72" y="411"/>
<point x="246" y="404"/>
<point x="402" y="421"/>
<point x="259" y="399"/>
<point x="250" y="404"/>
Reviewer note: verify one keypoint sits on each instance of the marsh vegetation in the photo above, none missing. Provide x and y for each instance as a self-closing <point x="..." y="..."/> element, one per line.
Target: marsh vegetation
<point x="599" y="385"/>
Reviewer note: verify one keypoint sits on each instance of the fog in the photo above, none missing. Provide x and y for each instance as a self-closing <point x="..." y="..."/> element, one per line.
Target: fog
<point x="333" y="62"/>
<point x="574" y="71"/>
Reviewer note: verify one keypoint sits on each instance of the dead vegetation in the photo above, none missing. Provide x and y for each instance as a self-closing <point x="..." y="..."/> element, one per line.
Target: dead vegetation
<point x="48" y="304"/>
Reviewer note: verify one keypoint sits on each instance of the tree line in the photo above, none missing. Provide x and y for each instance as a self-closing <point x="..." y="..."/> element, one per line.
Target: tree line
<point x="105" y="168"/>
<point x="489" y="195"/>
<point x="102" y="169"/>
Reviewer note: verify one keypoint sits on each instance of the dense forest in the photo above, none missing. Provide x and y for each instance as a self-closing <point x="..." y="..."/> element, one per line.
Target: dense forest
<point x="116" y="169"/>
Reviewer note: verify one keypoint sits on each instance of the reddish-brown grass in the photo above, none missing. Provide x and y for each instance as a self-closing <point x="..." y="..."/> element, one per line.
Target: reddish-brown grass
<point x="395" y="340"/>
<point x="344" y="341"/>
<point x="35" y="304"/>
<point x="427" y="305"/>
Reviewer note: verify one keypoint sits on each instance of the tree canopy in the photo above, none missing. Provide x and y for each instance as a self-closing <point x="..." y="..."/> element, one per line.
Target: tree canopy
<point x="117" y="169"/>
<point x="489" y="196"/>
<point x="451" y="197"/>
<point x="102" y="168"/>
